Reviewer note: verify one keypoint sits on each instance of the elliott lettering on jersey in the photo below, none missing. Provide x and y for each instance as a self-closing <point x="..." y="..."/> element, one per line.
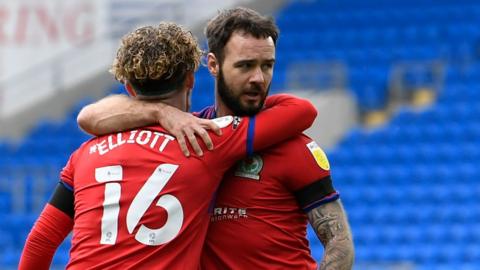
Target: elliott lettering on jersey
<point x="148" y="138"/>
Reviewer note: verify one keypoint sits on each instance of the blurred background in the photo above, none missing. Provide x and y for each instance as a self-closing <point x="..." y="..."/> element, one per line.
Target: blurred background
<point x="396" y="83"/>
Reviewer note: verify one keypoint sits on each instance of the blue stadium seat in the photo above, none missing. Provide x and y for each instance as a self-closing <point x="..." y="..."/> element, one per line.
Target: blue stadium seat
<point x="472" y="253"/>
<point x="366" y="234"/>
<point x="5" y="201"/>
<point x="411" y="235"/>
<point x="450" y="254"/>
<point x="62" y="255"/>
<point x="364" y="254"/>
<point x="385" y="253"/>
<point x="6" y="240"/>
<point x="426" y="252"/>
<point x="404" y="252"/>
<point x="9" y="257"/>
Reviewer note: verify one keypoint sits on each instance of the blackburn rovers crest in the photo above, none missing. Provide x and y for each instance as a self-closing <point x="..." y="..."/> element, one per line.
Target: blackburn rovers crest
<point x="250" y="167"/>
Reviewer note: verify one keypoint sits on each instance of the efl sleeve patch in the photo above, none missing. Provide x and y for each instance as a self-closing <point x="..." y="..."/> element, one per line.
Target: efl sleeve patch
<point x="319" y="155"/>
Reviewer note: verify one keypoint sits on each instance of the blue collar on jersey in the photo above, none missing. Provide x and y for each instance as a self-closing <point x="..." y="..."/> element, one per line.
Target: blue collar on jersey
<point x="208" y="113"/>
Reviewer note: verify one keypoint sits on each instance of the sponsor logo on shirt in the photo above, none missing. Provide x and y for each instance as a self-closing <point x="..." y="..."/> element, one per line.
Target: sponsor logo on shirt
<point x="319" y="155"/>
<point x="250" y="167"/>
<point x="228" y="213"/>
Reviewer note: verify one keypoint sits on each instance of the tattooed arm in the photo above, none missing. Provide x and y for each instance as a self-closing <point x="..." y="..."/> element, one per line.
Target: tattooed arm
<point x="331" y="226"/>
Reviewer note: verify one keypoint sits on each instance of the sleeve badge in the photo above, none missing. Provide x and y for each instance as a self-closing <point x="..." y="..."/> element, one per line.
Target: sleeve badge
<point x="319" y="155"/>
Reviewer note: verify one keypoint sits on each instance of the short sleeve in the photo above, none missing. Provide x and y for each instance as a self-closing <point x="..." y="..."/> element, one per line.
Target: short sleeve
<point x="67" y="173"/>
<point x="306" y="163"/>
<point x="308" y="173"/>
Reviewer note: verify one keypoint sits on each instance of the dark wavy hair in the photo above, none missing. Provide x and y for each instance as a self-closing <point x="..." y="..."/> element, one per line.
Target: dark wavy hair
<point x="220" y="28"/>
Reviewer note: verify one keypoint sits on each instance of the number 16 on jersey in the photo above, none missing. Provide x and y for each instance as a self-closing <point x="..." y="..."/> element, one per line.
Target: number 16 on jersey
<point x="112" y="177"/>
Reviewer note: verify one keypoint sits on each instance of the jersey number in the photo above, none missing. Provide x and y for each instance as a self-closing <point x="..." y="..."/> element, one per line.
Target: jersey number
<point x="144" y="198"/>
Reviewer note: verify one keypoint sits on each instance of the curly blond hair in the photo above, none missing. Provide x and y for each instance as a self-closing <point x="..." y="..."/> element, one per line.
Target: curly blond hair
<point x="162" y="53"/>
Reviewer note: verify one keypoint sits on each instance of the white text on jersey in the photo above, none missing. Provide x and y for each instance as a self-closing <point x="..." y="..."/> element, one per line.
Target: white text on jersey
<point x="143" y="137"/>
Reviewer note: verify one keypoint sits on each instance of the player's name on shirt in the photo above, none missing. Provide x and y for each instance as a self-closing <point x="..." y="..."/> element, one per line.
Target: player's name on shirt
<point x="146" y="138"/>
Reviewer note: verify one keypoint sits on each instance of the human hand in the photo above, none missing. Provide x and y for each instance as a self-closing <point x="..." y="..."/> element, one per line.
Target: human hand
<point x="182" y="124"/>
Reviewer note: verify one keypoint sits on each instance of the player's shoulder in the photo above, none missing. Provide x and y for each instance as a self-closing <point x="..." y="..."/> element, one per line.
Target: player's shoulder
<point x="298" y="141"/>
<point x="302" y="147"/>
<point x="86" y="144"/>
<point x="81" y="149"/>
<point x="229" y="123"/>
<point x="226" y="121"/>
<point x="291" y="148"/>
<point x="231" y="127"/>
<point x="153" y="128"/>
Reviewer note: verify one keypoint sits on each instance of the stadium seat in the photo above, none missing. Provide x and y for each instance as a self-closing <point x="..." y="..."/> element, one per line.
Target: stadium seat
<point x="9" y="257"/>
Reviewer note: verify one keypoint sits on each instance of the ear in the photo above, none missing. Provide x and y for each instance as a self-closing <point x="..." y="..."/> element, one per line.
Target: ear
<point x="212" y="64"/>
<point x="130" y="89"/>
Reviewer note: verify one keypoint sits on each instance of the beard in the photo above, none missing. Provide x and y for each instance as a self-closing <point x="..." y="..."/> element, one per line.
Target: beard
<point x="233" y="101"/>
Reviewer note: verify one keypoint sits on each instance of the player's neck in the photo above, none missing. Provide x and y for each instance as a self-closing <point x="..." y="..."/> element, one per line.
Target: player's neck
<point x="220" y="113"/>
<point x="177" y="99"/>
<point x="221" y="109"/>
<point x="177" y="103"/>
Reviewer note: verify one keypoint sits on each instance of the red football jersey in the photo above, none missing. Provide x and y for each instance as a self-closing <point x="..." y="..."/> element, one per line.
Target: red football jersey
<point x="140" y="204"/>
<point x="257" y="222"/>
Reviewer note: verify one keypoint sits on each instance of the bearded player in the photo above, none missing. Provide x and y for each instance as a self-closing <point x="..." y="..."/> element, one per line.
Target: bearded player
<point x="133" y="200"/>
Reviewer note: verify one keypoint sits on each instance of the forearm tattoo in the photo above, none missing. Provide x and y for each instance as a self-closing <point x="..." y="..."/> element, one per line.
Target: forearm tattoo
<point x="331" y="226"/>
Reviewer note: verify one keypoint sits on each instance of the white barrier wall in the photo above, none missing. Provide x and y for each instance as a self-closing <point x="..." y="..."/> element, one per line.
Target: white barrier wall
<point x="34" y="31"/>
<point x="46" y="46"/>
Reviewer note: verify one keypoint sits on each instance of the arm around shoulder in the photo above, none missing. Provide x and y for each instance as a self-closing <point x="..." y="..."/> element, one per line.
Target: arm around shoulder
<point x="117" y="113"/>
<point x="300" y="109"/>
<point x="283" y="117"/>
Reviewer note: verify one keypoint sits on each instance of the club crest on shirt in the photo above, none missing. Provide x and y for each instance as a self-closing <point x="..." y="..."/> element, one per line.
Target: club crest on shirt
<point x="250" y="167"/>
<point x="319" y="155"/>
